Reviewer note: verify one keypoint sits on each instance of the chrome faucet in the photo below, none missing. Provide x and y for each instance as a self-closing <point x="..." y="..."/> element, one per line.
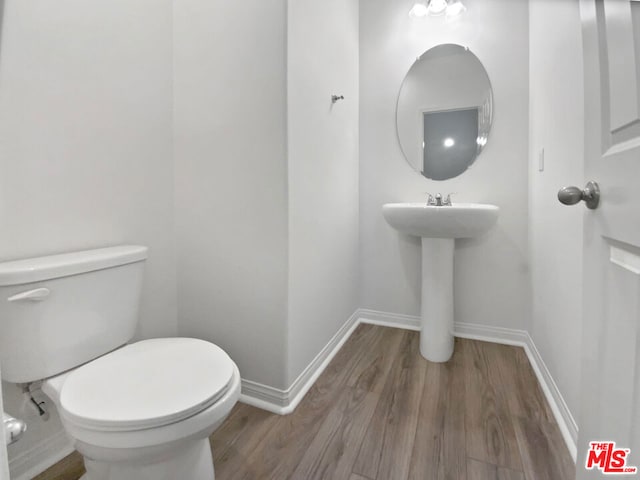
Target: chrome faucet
<point x="438" y="201"/>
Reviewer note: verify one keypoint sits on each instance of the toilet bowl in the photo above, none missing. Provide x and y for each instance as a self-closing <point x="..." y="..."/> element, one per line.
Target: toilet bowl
<point x="135" y="411"/>
<point x="146" y="410"/>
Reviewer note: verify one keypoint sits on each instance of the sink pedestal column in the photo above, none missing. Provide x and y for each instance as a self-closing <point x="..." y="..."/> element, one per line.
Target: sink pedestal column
<point x="436" y="334"/>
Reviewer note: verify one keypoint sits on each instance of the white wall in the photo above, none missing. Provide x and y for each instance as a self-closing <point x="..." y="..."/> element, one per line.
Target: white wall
<point x="85" y="125"/>
<point x="85" y="129"/>
<point x="267" y="250"/>
<point x="85" y="136"/>
<point x="323" y="174"/>
<point x="231" y="179"/>
<point x="557" y="126"/>
<point x="492" y="272"/>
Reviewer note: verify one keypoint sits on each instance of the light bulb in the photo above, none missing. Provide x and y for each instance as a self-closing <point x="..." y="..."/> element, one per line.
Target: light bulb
<point x="449" y="142"/>
<point x="455" y="8"/>
<point x="437" y="7"/>
<point x="419" y="10"/>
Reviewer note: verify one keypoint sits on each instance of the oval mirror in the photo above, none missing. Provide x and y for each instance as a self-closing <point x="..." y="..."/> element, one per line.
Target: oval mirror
<point x="444" y="111"/>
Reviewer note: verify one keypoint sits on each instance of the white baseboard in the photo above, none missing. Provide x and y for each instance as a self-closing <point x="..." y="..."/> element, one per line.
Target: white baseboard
<point x="486" y="333"/>
<point x="284" y="402"/>
<point x="41" y="456"/>
<point x="265" y="397"/>
<point x="562" y="414"/>
<point x="385" y="319"/>
<point x="521" y="338"/>
<point x="560" y="409"/>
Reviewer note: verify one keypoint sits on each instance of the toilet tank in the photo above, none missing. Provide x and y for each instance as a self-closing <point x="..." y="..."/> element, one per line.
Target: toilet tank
<point x="60" y="311"/>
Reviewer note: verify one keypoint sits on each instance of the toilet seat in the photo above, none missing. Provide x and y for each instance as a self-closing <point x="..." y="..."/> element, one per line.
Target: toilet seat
<point x="200" y="425"/>
<point x="145" y="385"/>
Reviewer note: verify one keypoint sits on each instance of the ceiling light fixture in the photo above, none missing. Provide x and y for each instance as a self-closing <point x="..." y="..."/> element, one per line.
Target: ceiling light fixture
<point x="436" y="8"/>
<point x="418" y="10"/>
<point x="455" y="8"/>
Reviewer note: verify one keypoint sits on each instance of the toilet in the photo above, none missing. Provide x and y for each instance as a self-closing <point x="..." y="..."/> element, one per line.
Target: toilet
<point x="135" y="411"/>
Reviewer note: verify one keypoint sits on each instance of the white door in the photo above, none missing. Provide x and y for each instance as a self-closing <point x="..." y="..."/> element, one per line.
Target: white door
<point x="610" y="409"/>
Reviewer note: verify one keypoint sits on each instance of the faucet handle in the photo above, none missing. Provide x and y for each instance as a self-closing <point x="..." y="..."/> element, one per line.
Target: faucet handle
<point x="447" y="201"/>
<point x="430" y="199"/>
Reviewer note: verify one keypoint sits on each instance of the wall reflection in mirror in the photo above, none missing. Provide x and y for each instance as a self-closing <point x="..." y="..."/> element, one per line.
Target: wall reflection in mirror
<point x="444" y="112"/>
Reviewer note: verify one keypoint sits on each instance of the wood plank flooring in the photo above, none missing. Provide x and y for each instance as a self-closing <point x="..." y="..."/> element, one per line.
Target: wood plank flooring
<point x="382" y="412"/>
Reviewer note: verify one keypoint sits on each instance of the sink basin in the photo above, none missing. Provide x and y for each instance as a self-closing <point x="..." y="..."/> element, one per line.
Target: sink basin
<point x="439" y="227"/>
<point x="460" y="220"/>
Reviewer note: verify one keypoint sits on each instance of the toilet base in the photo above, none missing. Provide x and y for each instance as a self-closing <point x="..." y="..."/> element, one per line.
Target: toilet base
<point x="191" y="462"/>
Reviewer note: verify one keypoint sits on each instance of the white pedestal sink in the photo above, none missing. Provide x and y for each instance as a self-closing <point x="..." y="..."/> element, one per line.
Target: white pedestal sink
<point x="439" y="226"/>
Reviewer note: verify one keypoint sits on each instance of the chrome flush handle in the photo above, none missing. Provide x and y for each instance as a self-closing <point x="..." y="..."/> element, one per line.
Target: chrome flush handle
<point x="37" y="295"/>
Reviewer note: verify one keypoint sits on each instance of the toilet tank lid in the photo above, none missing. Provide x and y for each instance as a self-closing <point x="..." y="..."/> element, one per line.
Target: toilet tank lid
<point x="29" y="270"/>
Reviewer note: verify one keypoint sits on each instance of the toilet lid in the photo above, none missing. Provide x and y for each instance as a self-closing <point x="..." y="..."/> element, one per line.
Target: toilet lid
<point x="147" y="384"/>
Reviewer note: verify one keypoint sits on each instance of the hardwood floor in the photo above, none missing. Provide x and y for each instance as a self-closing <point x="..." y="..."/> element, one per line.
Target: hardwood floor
<point x="382" y="412"/>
